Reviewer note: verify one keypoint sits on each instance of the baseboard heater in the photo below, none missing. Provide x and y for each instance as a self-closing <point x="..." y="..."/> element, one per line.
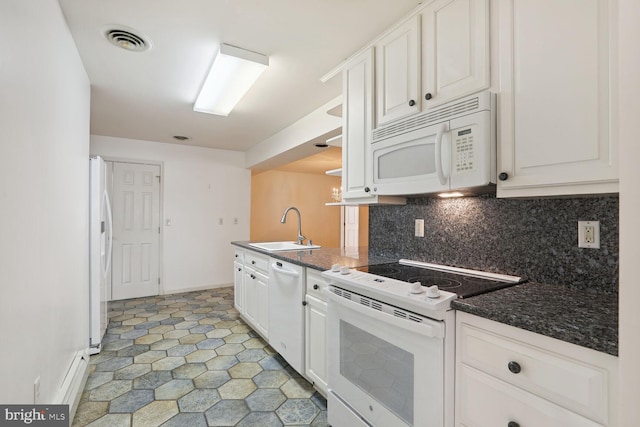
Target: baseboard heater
<point x="71" y="389"/>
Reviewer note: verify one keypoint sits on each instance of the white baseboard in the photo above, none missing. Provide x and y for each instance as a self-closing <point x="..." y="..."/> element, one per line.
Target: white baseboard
<point x="197" y="288"/>
<point x="73" y="384"/>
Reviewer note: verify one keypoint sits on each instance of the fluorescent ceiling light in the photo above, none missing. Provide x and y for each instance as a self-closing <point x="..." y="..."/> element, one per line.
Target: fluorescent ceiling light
<point x="232" y="74"/>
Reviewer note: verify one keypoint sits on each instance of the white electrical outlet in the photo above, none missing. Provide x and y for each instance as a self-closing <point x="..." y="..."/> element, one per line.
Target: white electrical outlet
<point x="419" y="228"/>
<point x="589" y="234"/>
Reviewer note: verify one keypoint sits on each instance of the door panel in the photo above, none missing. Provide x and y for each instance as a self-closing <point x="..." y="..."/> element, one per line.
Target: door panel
<point x="136" y="223"/>
<point x="351" y="226"/>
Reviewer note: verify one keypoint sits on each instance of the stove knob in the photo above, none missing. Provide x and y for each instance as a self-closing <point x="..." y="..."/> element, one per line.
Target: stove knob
<point x="335" y="268"/>
<point x="416" y="288"/>
<point x="344" y="270"/>
<point x="433" y="292"/>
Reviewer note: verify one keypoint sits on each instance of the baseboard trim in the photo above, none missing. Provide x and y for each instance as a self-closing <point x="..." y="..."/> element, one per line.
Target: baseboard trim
<point x="197" y="288"/>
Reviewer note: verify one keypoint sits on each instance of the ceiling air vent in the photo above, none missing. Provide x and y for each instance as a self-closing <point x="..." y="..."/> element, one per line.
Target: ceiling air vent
<point x="127" y="39"/>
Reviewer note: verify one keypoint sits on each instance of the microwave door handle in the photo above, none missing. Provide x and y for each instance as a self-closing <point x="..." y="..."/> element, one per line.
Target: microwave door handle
<point x="439" y="135"/>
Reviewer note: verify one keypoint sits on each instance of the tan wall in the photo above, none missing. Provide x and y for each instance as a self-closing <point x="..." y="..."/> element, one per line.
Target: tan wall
<point x="363" y="226"/>
<point x="273" y="191"/>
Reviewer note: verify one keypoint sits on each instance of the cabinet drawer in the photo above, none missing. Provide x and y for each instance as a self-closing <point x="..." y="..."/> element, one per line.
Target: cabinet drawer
<point x="566" y="380"/>
<point x="259" y="262"/>
<point x="484" y="401"/>
<point x="316" y="284"/>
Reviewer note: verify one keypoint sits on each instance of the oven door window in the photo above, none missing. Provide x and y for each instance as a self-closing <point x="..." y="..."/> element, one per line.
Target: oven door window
<point x="379" y="368"/>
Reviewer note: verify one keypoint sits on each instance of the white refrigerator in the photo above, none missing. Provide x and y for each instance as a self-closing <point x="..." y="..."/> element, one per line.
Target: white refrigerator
<point x="100" y="245"/>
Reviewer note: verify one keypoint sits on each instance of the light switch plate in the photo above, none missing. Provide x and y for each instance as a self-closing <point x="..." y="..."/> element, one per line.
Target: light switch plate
<point x="419" y="228"/>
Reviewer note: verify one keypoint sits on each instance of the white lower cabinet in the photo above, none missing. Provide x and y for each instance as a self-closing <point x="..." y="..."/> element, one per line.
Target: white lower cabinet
<point x="510" y="377"/>
<point x="251" y="299"/>
<point x="238" y="281"/>
<point x="255" y="288"/>
<point x="491" y="402"/>
<point x="316" y="332"/>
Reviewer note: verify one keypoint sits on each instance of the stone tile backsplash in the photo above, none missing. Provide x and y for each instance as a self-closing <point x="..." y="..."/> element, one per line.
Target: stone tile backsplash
<point x="536" y="238"/>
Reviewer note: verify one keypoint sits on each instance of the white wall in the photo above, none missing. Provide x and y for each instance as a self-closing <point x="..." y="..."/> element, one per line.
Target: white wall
<point x="201" y="186"/>
<point x="629" y="319"/>
<point x="44" y="198"/>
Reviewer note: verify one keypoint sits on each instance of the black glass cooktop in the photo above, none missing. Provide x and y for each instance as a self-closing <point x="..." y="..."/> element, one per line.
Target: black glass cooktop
<point x="463" y="285"/>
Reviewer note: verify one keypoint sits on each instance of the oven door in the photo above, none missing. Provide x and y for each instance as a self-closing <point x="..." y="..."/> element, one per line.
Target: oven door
<point x="388" y="369"/>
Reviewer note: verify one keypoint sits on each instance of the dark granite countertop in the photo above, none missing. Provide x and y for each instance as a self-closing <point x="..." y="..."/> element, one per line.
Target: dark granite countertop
<point x="585" y="318"/>
<point x="323" y="258"/>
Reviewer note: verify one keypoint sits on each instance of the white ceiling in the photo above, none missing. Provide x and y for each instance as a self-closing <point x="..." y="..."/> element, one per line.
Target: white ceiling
<point x="149" y="95"/>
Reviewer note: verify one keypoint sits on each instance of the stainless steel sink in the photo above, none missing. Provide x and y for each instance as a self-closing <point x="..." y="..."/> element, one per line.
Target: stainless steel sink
<point x="282" y="246"/>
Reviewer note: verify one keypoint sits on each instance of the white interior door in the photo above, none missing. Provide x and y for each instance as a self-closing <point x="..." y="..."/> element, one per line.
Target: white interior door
<point x="351" y="226"/>
<point x="136" y="230"/>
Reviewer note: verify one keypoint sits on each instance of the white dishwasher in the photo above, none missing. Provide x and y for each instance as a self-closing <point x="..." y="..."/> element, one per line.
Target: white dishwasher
<point x="286" y="314"/>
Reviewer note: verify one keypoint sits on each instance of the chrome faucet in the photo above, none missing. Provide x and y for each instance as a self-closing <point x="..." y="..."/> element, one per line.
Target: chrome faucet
<point x="284" y="219"/>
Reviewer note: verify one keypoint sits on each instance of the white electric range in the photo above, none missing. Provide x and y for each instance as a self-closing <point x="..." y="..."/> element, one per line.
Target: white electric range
<point x="391" y="338"/>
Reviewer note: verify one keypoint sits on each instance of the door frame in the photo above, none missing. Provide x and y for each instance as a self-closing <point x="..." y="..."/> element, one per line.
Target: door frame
<point x="161" y="213"/>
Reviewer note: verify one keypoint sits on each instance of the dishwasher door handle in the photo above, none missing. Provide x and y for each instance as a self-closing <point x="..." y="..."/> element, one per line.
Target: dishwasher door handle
<point x="284" y="271"/>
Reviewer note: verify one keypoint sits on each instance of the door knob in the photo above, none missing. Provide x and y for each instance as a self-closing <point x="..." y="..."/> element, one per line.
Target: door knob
<point x="503" y="176"/>
<point x="412" y="103"/>
<point x="428" y="96"/>
<point x="514" y="367"/>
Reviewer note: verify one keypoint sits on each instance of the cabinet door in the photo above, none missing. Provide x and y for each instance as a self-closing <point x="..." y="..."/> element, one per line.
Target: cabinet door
<point x="238" y="288"/>
<point x="398" y="72"/>
<point x="358" y="115"/>
<point x="250" y="297"/>
<point x="455" y="43"/>
<point x="558" y="96"/>
<point x="262" y="304"/>
<point x="484" y="401"/>
<point x="316" y="342"/>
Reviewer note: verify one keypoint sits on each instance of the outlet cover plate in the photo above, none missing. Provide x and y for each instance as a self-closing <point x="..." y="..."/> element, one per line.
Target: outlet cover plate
<point x="419" y="228"/>
<point x="589" y="234"/>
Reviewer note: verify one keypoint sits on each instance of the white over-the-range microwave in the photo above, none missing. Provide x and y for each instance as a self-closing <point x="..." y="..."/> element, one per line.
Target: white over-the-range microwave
<point x="449" y="148"/>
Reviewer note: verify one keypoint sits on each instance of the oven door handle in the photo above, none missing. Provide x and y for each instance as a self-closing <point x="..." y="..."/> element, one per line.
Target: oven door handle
<point x="428" y="328"/>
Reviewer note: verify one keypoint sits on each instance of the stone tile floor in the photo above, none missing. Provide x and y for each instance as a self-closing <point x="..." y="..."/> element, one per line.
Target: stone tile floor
<point x="189" y="360"/>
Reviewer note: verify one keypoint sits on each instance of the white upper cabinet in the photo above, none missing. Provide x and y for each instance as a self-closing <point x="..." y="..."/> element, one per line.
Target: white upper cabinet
<point x="357" y="118"/>
<point x="455" y="46"/>
<point x="398" y="72"/>
<point x="557" y="97"/>
<point x="357" y="107"/>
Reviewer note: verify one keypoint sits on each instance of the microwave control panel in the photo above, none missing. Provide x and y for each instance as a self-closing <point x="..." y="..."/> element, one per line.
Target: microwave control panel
<point x="463" y="149"/>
